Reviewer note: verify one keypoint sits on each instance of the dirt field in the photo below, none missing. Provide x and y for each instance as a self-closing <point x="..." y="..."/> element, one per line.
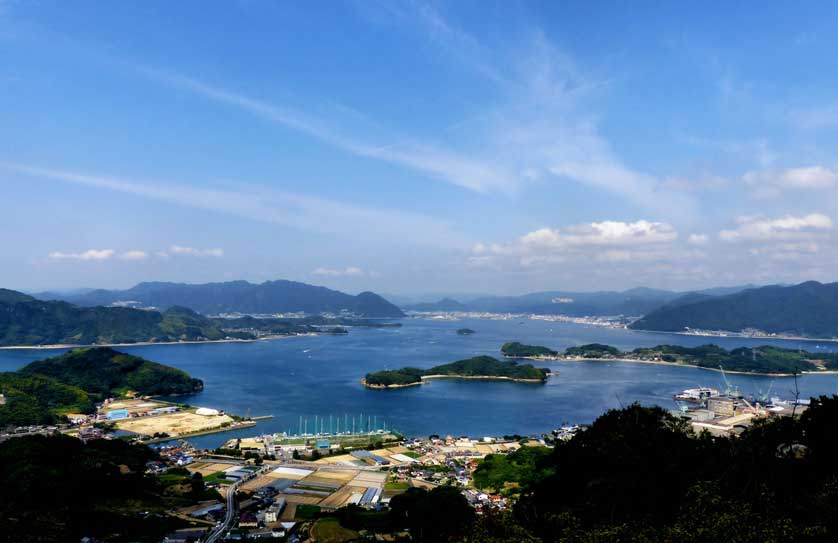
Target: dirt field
<point x="257" y="483"/>
<point x="337" y="475"/>
<point x="369" y="478"/>
<point x="133" y="406"/>
<point x="299" y="498"/>
<point x="340" y="459"/>
<point x="174" y="424"/>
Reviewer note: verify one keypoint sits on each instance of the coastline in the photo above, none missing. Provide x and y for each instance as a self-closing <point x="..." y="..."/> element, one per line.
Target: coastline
<point x="147" y="343"/>
<point x="455" y="376"/>
<point x="679" y="364"/>
<point x="738" y="335"/>
<point x="533" y="358"/>
<point x="218" y="430"/>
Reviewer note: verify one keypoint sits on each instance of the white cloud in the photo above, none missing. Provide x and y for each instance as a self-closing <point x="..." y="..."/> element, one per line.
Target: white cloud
<point x="771" y="183"/>
<point x="191" y="251"/>
<point x="349" y="271"/>
<point x="605" y="241"/>
<point x="698" y="239"/>
<point x="90" y="254"/>
<point x="601" y="233"/>
<point x="782" y="228"/>
<point x="134" y="255"/>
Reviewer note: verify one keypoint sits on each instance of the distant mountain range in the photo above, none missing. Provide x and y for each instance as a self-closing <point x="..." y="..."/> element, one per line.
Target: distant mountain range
<point x="633" y="302"/>
<point x="809" y="309"/>
<point x="238" y="297"/>
<point x="25" y="320"/>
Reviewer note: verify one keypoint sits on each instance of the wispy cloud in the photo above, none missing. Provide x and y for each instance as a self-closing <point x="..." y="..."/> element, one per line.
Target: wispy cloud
<point x="349" y="271"/>
<point x="429" y="158"/>
<point x="134" y="255"/>
<point x="532" y="130"/>
<point x="269" y="206"/>
<point x="90" y="254"/>
<point x="815" y="118"/>
<point x="192" y="251"/>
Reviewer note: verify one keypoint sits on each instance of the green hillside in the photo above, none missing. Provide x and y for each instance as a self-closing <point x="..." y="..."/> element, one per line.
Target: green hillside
<point x="808" y="309"/>
<point x="27" y="321"/>
<point x="43" y="391"/>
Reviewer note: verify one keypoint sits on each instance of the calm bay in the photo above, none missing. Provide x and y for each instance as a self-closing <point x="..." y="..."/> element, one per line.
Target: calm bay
<point x="310" y="376"/>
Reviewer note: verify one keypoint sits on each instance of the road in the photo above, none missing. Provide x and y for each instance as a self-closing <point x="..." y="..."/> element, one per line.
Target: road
<point x="219" y="530"/>
<point x="215" y="535"/>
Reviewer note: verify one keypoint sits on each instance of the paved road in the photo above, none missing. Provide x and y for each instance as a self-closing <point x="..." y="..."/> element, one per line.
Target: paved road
<point x="219" y="530"/>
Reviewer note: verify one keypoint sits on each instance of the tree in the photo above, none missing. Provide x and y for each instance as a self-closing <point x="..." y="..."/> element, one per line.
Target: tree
<point x="442" y="514"/>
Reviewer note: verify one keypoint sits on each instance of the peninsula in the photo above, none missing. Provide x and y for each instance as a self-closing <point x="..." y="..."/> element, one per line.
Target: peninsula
<point x="478" y="367"/>
<point x="45" y="391"/>
<point x="766" y="359"/>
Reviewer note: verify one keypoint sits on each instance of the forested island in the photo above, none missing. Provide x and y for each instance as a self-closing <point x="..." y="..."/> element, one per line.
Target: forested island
<point x="44" y="391"/>
<point x="465" y="332"/>
<point x="765" y="359"/>
<point x="515" y="349"/>
<point x="478" y="367"/>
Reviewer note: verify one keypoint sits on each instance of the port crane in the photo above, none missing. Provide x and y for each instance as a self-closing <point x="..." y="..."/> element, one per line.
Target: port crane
<point x="765" y="398"/>
<point x="729" y="389"/>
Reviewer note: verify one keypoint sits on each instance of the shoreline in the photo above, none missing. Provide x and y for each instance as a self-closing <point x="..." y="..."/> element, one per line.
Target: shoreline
<point x="149" y="343"/>
<point x="242" y="425"/>
<point x="678" y="364"/>
<point x="737" y="335"/>
<point x="534" y="358"/>
<point x="454" y="376"/>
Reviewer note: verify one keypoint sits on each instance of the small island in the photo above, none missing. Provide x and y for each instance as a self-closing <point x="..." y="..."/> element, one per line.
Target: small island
<point x="465" y="332"/>
<point x="479" y="367"/>
<point x="515" y="349"/>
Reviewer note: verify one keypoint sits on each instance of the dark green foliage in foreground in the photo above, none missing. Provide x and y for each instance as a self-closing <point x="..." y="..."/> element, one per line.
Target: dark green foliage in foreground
<point x="807" y="309"/>
<point x="104" y="371"/>
<point x="27" y="321"/>
<point x="593" y="350"/>
<point x="639" y="475"/>
<point x="478" y="366"/>
<point x="43" y="391"/>
<point x="442" y="514"/>
<point x="524" y="467"/>
<point x="58" y="489"/>
<point x="514" y="349"/>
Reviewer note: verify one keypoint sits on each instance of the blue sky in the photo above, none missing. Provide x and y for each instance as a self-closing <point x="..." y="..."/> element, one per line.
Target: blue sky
<point x="410" y="147"/>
